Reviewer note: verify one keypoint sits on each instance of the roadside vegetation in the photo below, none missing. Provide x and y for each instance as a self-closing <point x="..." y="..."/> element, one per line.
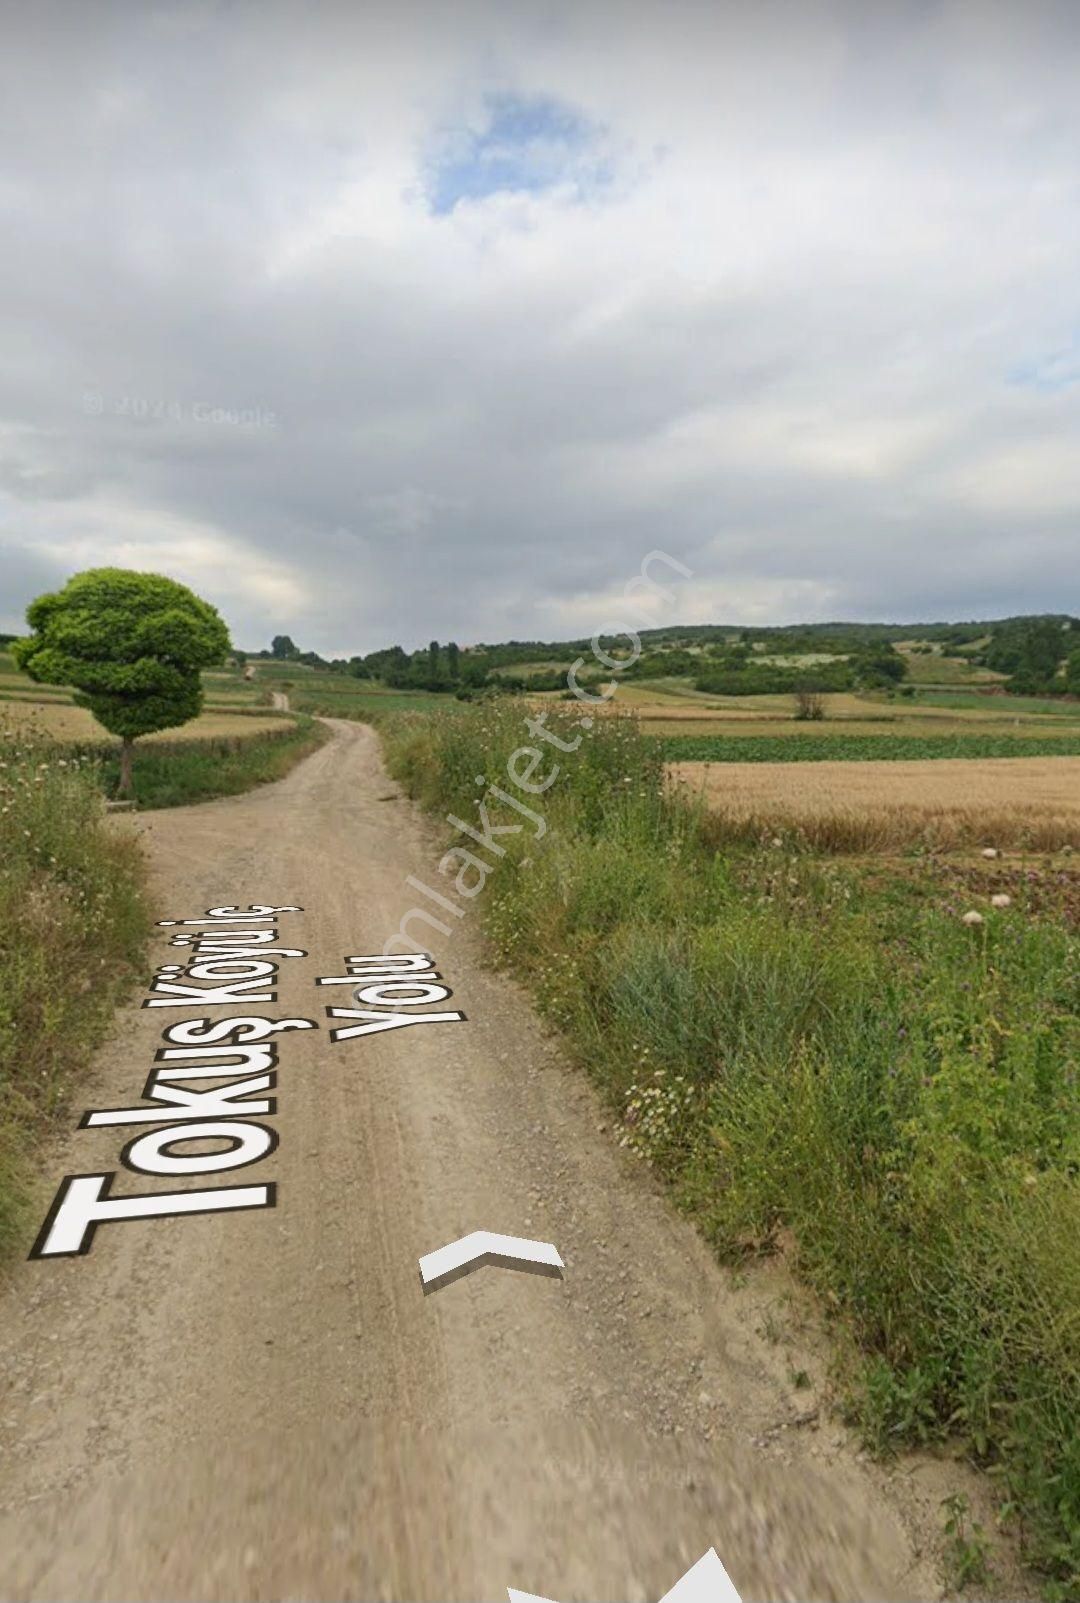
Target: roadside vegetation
<point x="831" y="1059"/>
<point x="73" y="915"/>
<point x="213" y="756"/>
<point x="177" y="774"/>
<point x="73" y="924"/>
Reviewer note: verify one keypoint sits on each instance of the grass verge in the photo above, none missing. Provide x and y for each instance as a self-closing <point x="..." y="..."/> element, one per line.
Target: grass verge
<point x="818" y="1052"/>
<point x="177" y="774"/>
<point x="73" y="926"/>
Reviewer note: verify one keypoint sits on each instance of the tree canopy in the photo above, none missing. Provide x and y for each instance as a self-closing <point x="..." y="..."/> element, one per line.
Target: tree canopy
<point x="129" y="644"/>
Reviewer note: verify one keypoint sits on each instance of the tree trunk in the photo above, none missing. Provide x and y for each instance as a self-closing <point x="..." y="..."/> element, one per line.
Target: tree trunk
<point x="127" y="748"/>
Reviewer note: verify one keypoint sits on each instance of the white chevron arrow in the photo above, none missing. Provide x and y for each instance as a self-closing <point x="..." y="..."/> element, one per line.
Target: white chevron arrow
<point x="707" y="1581"/>
<point x="449" y="1263"/>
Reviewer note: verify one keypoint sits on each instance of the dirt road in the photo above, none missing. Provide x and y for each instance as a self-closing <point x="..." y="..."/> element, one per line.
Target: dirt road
<point x="264" y="1405"/>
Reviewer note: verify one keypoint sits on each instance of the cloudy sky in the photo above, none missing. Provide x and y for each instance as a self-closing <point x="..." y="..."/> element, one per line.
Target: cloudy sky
<point x="378" y="322"/>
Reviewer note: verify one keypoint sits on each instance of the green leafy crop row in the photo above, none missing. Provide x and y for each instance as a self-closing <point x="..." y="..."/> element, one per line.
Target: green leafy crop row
<point x="841" y="747"/>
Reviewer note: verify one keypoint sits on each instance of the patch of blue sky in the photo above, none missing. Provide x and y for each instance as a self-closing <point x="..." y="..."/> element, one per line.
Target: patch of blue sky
<point x="1049" y="374"/>
<point x="526" y="145"/>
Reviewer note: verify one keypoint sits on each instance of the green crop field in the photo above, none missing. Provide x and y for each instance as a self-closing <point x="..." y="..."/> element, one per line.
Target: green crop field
<point x="1000" y="705"/>
<point x="329" y="696"/>
<point x="860" y="748"/>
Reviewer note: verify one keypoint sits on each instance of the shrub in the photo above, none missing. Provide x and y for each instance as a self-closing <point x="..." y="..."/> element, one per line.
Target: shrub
<point x="809" y="704"/>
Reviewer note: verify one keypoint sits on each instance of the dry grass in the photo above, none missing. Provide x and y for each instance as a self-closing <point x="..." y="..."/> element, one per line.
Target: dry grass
<point x="661" y="700"/>
<point x="867" y="806"/>
<point x="75" y="725"/>
<point x="937" y="668"/>
<point x="665" y="692"/>
<point x="663" y="712"/>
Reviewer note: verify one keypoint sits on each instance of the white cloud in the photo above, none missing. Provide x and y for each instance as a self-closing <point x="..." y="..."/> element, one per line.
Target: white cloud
<point x="1030" y="478"/>
<point x="779" y="339"/>
<point x="105" y="531"/>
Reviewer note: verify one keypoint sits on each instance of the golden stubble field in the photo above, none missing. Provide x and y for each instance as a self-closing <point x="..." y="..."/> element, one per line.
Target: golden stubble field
<point x="1001" y="801"/>
<point x="661" y="711"/>
<point x="222" y="687"/>
<point x="76" y="726"/>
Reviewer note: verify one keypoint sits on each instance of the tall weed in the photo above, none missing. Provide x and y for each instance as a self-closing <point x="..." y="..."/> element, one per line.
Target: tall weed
<point x="73" y="924"/>
<point x="801" y="1045"/>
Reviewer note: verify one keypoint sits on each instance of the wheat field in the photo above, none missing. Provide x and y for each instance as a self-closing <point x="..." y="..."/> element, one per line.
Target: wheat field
<point x="856" y="806"/>
<point x="75" y="726"/>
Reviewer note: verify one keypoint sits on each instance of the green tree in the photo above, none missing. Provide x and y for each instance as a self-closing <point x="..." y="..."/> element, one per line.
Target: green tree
<point x="453" y="660"/>
<point x="474" y="671"/>
<point x="282" y="648"/>
<point x="879" y="665"/>
<point x="130" y="645"/>
<point x="1030" y="650"/>
<point x="433" y="658"/>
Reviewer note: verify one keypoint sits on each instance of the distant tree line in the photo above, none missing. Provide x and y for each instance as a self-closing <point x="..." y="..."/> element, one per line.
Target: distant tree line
<point x="1040" y="656"/>
<point x="434" y="667"/>
<point x="873" y="666"/>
